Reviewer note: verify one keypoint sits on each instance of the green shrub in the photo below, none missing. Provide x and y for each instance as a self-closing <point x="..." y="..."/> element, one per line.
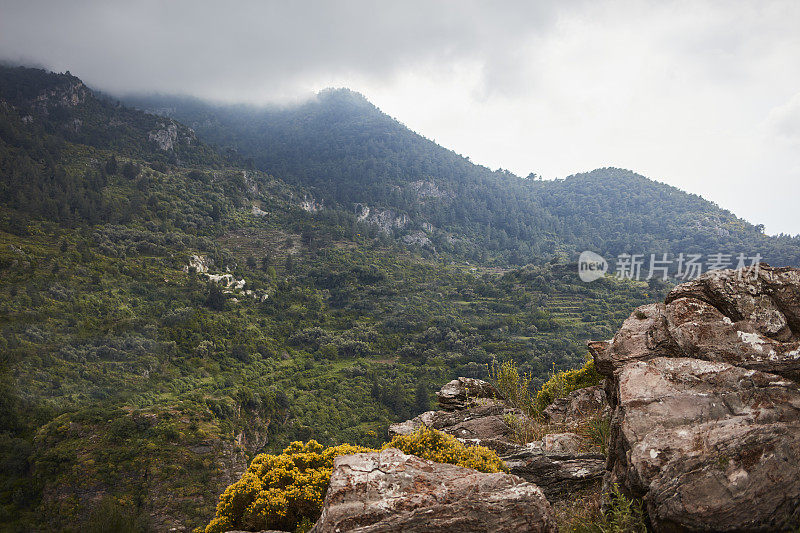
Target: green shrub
<point x="109" y="516"/>
<point x="562" y="383"/>
<point x="623" y="515"/>
<point x="513" y="386"/>
<point x="598" y="431"/>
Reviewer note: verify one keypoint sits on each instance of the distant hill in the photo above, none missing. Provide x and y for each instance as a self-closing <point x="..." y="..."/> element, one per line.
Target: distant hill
<point x="352" y="155"/>
<point x="42" y="114"/>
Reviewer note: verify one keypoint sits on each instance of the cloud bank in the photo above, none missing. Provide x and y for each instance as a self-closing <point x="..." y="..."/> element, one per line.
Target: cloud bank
<point x="703" y="95"/>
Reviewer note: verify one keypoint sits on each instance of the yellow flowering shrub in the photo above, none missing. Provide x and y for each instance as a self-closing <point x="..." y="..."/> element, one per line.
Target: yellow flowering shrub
<point x="279" y="491"/>
<point x="443" y="448"/>
<point x="286" y="491"/>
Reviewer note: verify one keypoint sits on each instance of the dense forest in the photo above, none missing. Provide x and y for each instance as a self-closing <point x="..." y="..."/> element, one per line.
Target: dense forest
<point x="349" y="154"/>
<point x="169" y="309"/>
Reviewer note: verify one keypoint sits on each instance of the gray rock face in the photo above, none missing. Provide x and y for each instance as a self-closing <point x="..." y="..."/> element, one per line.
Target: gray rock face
<point x="463" y="392"/>
<point x="701" y="431"/>
<point x="577" y="405"/>
<point x="390" y="491"/>
<point x="744" y="320"/>
<point x="709" y="446"/>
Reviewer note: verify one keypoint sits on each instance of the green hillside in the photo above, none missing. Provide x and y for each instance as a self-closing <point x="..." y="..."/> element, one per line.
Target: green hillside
<point x="134" y="387"/>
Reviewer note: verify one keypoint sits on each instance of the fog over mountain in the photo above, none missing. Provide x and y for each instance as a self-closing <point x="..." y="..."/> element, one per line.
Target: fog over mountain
<point x="703" y="96"/>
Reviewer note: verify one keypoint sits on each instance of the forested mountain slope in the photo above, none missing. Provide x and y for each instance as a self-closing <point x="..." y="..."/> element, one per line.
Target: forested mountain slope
<point x="350" y="154"/>
<point x="138" y="375"/>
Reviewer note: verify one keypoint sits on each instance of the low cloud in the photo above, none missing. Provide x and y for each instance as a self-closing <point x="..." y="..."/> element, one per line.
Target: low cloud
<point x="701" y="95"/>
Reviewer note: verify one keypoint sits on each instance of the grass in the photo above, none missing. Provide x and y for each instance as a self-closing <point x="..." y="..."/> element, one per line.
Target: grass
<point x="529" y="430"/>
<point x="585" y="515"/>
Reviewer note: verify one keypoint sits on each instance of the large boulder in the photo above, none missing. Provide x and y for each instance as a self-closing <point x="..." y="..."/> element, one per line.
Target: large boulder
<point x="742" y="318"/>
<point x="707" y="445"/>
<point x="769" y="299"/>
<point x="462" y="393"/>
<point x="643" y="335"/>
<point x="706" y="420"/>
<point x="390" y="491"/>
<point x="702" y="331"/>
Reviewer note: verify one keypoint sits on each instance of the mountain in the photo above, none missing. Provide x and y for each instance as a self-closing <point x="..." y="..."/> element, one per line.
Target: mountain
<point x="44" y="114"/>
<point x="166" y="313"/>
<point x="61" y="105"/>
<point x="351" y="155"/>
<point x="169" y="309"/>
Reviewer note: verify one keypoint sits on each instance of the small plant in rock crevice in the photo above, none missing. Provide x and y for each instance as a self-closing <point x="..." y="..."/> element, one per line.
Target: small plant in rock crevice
<point x="622" y="515"/>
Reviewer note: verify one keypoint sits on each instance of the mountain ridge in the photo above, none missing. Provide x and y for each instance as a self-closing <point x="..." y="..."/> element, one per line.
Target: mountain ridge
<point x="348" y="154"/>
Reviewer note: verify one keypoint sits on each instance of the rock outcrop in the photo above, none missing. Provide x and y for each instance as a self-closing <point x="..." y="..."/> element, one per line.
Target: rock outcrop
<point x="579" y="404"/>
<point x="165" y="136"/>
<point x="474" y="413"/>
<point x="745" y="318"/>
<point x="418" y="238"/>
<point x="483" y="425"/>
<point x="390" y="491"/>
<point x="706" y="420"/>
<point x="387" y="220"/>
<point x="463" y="393"/>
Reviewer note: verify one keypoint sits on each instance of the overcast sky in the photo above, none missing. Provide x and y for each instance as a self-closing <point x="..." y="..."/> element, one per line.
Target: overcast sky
<point x="701" y="95"/>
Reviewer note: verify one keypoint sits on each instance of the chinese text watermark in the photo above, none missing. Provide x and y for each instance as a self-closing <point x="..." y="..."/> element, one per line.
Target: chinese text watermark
<point x="684" y="267"/>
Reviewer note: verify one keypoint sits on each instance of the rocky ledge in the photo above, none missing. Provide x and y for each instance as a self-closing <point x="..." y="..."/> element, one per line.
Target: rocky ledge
<point x="559" y="463"/>
<point x="706" y="406"/>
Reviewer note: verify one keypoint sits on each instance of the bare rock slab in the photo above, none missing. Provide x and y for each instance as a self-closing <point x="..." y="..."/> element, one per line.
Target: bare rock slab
<point x="390" y="491"/>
